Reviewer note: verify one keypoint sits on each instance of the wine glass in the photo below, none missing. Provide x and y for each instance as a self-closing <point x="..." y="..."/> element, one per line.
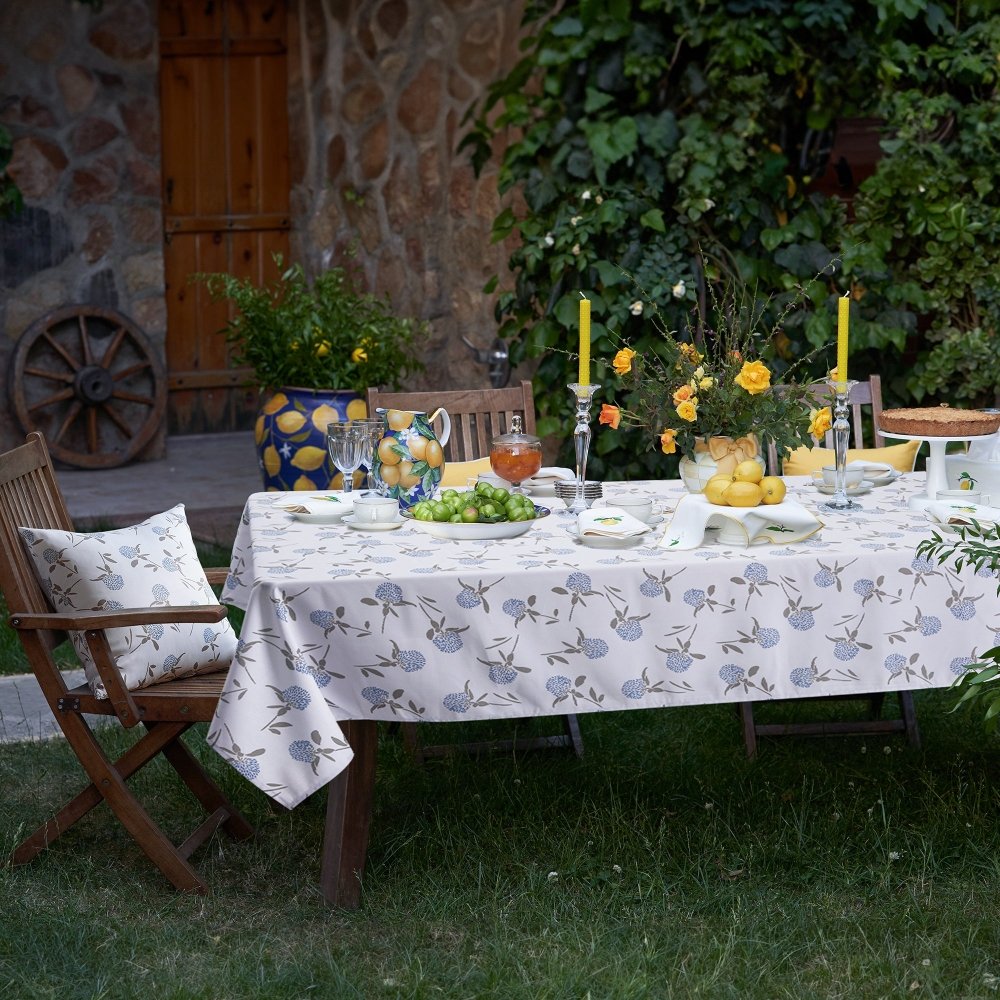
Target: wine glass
<point x="347" y="443"/>
<point x="374" y="428"/>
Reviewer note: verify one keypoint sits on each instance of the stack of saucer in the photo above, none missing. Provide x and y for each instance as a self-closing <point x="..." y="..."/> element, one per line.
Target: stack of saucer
<point x="566" y="491"/>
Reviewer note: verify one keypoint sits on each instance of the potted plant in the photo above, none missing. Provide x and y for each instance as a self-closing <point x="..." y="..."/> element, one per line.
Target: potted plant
<point x="706" y="394"/>
<point x="314" y="348"/>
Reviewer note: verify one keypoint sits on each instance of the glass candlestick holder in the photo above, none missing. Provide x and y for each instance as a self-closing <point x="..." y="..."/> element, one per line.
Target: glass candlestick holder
<point x="840" y="502"/>
<point x="582" y="394"/>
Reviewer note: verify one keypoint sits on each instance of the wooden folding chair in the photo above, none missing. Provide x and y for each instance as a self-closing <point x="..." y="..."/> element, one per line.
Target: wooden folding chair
<point x="30" y="497"/>
<point x="862" y="394"/>
<point x="477" y="416"/>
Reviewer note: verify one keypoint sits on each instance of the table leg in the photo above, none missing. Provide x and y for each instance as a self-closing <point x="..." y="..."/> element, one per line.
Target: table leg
<point x="348" y="818"/>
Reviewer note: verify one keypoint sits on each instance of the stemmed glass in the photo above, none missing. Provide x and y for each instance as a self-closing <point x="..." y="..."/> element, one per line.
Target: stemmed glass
<point x="347" y="443"/>
<point x="373" y="427"/>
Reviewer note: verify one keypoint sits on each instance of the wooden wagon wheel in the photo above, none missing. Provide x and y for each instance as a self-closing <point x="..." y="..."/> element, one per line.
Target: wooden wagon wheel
<point x="89" y="381"/>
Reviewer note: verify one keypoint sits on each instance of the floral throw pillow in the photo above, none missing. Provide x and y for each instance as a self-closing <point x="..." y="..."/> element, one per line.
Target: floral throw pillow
<point x="153" y="563"/>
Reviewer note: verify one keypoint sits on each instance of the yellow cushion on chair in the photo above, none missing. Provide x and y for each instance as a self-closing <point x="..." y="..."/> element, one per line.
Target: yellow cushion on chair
<point x="459" y="473"/>
<point x="804" y="461"/>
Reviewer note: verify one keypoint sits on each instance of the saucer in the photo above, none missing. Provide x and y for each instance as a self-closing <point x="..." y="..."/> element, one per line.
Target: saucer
<point x="353" y="522"/>
<point x="865" y="486"/>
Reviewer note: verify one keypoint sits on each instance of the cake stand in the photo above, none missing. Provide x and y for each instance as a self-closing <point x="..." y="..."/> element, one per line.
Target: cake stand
<point x="937" y="479"/>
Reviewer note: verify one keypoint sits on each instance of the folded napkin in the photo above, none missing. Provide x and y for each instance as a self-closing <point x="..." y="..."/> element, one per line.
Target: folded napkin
<point x="871" y="468"/>
<point x="780" y="523"/>
<point x="609" y="522"/>
<point x="958" y="512"/>
<point x="550" y="474"/>
<point x="328" y="505"/>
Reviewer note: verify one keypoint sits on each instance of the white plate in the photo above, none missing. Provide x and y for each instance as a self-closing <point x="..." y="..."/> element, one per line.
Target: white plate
<point x="352" y="522"/>
<point x="322" y="508"/>
<point x="476" y="532"/>
<point x="884" y="478"/>
<point x="606" y="541"/>
<point x="865" y="486"/>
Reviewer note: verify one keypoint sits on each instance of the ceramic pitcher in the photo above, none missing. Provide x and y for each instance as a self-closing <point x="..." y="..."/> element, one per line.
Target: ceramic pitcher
<point x="409" y="460"/>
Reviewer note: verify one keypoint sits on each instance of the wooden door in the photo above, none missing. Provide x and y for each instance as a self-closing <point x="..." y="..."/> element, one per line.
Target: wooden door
<point x="223" y="97"/>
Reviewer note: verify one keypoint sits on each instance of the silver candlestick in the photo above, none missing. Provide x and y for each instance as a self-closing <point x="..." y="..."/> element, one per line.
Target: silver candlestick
<point x="583" y="394"/>
<point x="840" y="502"/>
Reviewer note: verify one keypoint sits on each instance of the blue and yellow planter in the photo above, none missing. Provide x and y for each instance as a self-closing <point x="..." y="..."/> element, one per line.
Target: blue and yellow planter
<point x="291" y="436"/>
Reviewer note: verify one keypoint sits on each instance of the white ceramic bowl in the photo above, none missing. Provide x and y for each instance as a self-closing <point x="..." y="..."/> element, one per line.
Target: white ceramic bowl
<point x="476" y="532"/>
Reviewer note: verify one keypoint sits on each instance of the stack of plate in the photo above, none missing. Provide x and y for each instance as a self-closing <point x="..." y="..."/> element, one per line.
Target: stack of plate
<point x="566" y="491"/>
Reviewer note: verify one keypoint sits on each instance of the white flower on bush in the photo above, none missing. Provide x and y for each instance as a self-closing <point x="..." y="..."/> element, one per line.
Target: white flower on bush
<point x="708" y="205"/>
<point x="679" y="289"/>
<point x="636" y="308"/>
<point x="586" y="196"/>
<point x="575" y="220"/>
<point x="576" y="249"/>
<point x="549" y="240"/>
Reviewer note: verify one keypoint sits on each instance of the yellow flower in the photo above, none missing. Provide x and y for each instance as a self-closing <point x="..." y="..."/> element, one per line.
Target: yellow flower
<point x="688" y="410"/>
<point x="622" y="362"/>
<point x="820" y="422"/>
<point x="754" y="377"/>
<point x="322" y="348"/>
<point x="685" y="392"/>
<point x="706" y="383"/>
<point x="691" y="353"/>
<point x="358" y="355"/>
<point x="610" y="415"/>
<point x="668" y="441"/>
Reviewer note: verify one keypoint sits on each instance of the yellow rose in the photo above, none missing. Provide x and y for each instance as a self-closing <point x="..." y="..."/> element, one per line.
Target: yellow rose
<point x="754" y="377"/>
<point x="688" y="410"/>
<point x="622" y="362"/>
<point x="706" y="383"/>
<point x="668" y="441"/>
<point x="610" y="415"/>
<point x="358" y="355"/>
<point x="690" y="352"/>
<point x="820" y="421"/>
<point x="684" y="393"/>
<point x="322" y="348"/>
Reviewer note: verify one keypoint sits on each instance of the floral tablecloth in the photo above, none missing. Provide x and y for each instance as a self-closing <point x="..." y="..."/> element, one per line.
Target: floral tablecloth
<point x="398" y="625"/>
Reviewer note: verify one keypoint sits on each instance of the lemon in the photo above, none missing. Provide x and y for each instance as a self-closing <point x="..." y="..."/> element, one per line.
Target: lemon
<point x="750" y="471"/>
<point x="774" y="489"/>
<point x="743" y="494"/>
<point x="715" y="490"/>
<point x="308" y="458"/>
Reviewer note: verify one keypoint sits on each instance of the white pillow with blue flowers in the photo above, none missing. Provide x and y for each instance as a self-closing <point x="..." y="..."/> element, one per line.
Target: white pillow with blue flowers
<point x="153" y="563"/>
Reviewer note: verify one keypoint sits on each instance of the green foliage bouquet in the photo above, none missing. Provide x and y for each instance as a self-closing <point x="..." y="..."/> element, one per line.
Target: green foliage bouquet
<point x="323" y="335"/>
<point x="712" y="381"/>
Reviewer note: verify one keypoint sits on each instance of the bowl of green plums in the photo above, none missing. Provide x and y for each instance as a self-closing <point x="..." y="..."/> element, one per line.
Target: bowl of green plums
<point x="486" y="512"/>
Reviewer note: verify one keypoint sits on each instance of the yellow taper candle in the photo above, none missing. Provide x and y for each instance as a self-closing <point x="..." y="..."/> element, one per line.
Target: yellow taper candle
<point x="843" y="313"/>
<point x="584" y="376"/>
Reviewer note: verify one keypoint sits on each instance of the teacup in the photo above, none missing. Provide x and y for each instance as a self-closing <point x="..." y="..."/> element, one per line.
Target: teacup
<point x="639" y="507"/>
<point x="852" y="477"/>
<point x="962" y="496"/>
<point x="374" y="509"/>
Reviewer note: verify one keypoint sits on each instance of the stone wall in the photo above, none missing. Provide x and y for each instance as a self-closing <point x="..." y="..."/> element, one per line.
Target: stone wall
<point x="378" y="92"/>
<point x="80" y="98"/>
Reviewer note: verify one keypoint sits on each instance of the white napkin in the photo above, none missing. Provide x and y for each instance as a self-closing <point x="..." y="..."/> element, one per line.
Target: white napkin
<point x="609" y="522"/>
<point x="985" y="449"/>
<point x="779" y="523"/>
<point x="550" y="474"/>
<point x="958" y="512"/>
<point x="872" y="469"/>
<point x="327" y="504"/>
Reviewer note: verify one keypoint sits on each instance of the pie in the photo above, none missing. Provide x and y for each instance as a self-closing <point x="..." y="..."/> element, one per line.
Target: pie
<point x="939" y="421"/>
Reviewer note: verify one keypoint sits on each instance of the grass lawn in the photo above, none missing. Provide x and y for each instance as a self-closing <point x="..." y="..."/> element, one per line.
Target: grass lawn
<point x="663" y="864"/>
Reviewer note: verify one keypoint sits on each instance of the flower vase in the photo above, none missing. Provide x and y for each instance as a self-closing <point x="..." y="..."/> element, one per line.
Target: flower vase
<point x="717" y="456"/>
<point x="290" y="433"/>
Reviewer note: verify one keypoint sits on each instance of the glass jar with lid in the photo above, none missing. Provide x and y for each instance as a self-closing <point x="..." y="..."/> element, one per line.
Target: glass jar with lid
<point x="516" y="455"/>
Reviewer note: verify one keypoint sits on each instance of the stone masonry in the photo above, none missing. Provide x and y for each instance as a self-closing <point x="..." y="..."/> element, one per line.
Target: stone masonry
<point x="378" y="90"/>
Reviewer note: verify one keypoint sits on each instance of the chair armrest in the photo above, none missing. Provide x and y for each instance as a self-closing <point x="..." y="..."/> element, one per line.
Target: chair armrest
<point x="217" y="574"/>
<point x="82" y="620"/>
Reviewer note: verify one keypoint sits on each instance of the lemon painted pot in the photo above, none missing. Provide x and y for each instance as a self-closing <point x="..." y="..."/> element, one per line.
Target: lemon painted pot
<point x="717" y="455"/>
<point x="291" y="436"/>
<point x="409" y="461"/>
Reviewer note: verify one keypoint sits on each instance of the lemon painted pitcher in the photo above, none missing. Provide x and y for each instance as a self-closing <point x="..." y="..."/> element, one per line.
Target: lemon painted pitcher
<point x="409" y="460"/>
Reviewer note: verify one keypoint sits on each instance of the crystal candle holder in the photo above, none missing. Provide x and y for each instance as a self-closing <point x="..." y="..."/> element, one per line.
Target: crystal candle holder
<point x="583" y="395"/>
<point x="840" y="502"/>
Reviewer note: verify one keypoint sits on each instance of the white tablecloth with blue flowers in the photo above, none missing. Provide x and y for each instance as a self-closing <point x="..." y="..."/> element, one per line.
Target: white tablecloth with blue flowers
<point x="401" y="626"/>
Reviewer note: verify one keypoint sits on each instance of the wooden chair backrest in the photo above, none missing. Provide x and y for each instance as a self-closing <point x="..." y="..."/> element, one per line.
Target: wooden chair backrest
<point x="477" y="415"/>
<point x="29" y="498"/>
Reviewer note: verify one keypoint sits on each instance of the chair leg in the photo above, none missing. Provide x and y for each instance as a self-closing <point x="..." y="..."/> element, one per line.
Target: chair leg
<point x="205" y="790"/>
<point x="572" y="723"/>
<point x="909" y="714"/>
<point x="348" y="818"/>
<point x="749" y="728"/>
<point x="108" y="784"/>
